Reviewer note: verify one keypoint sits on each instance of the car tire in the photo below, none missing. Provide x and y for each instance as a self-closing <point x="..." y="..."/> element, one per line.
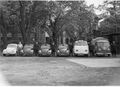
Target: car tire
<point x="74" y="55"/>
<point x="57" y="55"/>
<point x="109" y="55"/>
<point x="86" y="55"/>
<point x="4" y="54"/>
<point x="16" y="54"/>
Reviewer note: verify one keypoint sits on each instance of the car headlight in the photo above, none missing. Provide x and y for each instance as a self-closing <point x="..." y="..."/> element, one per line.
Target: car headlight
<point x="58" y="51"/>
<point x="99" y="49"/>
<point x="39" y="51"/>
<point x="31" y="51"/>
<point x="86" y="50"/>
<point x="21" y="51"/>
<point x="4" y="51"/>
<point x="50" y="51"/>
<point x="108" y="49"/>
<point x="76" y="50"/>
<point x="67" y="51"/>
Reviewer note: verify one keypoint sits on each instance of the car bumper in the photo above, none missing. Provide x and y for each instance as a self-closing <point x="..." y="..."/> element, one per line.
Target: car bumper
<point x="103" y="54"/>
<point x="45" y="54"/>
<point x="63" y="54"/>
<point x="27" y="53"/>
<point x="9" y="54"/>
<point x="81" y="54"/>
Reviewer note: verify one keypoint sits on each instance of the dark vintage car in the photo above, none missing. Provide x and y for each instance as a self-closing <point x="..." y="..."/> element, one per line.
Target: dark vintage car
<point x="45" y="50"/>
<point x="63" y="50"/>
<point x="28" y="50"/>
<point x="101" y="47"/>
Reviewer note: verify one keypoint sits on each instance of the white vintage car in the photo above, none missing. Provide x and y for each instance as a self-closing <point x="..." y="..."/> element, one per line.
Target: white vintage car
<point x="81" y="48"/>
<point x="11" y="49"/>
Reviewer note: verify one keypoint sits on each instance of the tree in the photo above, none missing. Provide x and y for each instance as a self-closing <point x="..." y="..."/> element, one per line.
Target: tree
<point x="26" y="15"/>
<point x="70" y="17"/>
<point x="51" y="16"/>
<point x="111" y="22"/>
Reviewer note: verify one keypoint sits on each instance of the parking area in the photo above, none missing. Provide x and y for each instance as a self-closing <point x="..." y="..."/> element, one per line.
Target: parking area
<point x="55" y="71"/>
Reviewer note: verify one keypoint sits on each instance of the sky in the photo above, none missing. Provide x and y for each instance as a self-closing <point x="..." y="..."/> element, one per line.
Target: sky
<point x="96" y="4"/>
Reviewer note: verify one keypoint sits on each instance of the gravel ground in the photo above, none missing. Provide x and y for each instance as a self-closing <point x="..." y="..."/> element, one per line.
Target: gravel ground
<point x="57" y="71"/>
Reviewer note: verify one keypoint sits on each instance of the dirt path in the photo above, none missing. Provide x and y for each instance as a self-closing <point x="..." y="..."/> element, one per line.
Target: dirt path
<point x="97" y="62"/>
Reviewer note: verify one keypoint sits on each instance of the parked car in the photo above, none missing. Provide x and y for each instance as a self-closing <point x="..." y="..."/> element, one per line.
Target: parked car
<point x="11" y="49"/>
<point x="45" y="50"/>
<point x="28" y="50"/>
<point x="101" y="47"/>
<point x="63" y="50"/>
<point x="81" y="48"/>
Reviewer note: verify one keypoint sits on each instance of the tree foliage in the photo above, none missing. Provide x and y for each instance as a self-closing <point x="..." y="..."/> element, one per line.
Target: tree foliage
<point x="112" y="21"/>
<point x="53" y="17"/>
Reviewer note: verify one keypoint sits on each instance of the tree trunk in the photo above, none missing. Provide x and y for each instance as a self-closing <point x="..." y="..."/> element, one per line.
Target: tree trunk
<point x="4" y="39"/>
<point x="54" y="37"/>
<point x="22" y="22"/>
<point x="3" y="30"/>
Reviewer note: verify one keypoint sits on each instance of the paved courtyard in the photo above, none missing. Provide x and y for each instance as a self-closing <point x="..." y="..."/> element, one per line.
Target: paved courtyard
<point x="60" y="71"/>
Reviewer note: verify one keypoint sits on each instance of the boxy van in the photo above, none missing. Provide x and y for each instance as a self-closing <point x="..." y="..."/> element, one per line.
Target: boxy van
<point x="81" y="48"/>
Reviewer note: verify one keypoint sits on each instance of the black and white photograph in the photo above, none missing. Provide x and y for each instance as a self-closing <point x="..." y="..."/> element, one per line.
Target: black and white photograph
<point x="60" y="42"/>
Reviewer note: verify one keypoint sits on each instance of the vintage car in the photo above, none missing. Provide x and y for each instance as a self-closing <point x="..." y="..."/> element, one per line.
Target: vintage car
<point x="45" y="50"/>
<point x="28" y="50"/>
<point x="81" y="48"/>
<point x="63" y="50"/>
<point x="11" y="49"/>
<point x="101" y="47"/>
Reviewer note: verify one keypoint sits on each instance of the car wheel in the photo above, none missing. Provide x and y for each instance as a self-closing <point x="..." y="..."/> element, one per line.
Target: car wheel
<point x="86" y="55"/>
<point x="109" y="55"/>
<point x="16" y="54"/>
<point x="74" y="55"/>
<point x="4" y="54"/>
<point x="89" y="55"/>
<point x="50" y="55"/>
<point x="57" y="55"/>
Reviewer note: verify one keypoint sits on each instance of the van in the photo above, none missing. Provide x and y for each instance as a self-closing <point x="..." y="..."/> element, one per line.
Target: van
<point x="101" y="47"/>
<point x="81" y="48"/>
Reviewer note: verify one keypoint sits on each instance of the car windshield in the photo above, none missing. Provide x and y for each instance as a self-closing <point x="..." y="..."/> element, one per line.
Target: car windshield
<point x="12" y="45"/>
<point x="47" y="46"/>
<point x="103" y="44"/>
<point x="28" y="46"/>
<point x="81" y="43"/>
<point x="63" y="46"/>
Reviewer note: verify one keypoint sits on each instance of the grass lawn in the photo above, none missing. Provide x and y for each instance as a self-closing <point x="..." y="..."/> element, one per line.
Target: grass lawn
<point x="48" y="71"/>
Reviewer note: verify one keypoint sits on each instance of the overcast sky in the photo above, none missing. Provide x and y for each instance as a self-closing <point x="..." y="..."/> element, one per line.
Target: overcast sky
<point x="95" y="2"/>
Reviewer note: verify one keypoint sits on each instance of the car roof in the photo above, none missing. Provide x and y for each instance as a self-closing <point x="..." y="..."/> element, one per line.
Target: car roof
<point x="63" y="44"/>
<point x="103" y="41"/>
<point x="45" y="45"/>
<point x="13" y="44"/>
<point x="28" y="45"/>
<point x="80" y="41"/>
